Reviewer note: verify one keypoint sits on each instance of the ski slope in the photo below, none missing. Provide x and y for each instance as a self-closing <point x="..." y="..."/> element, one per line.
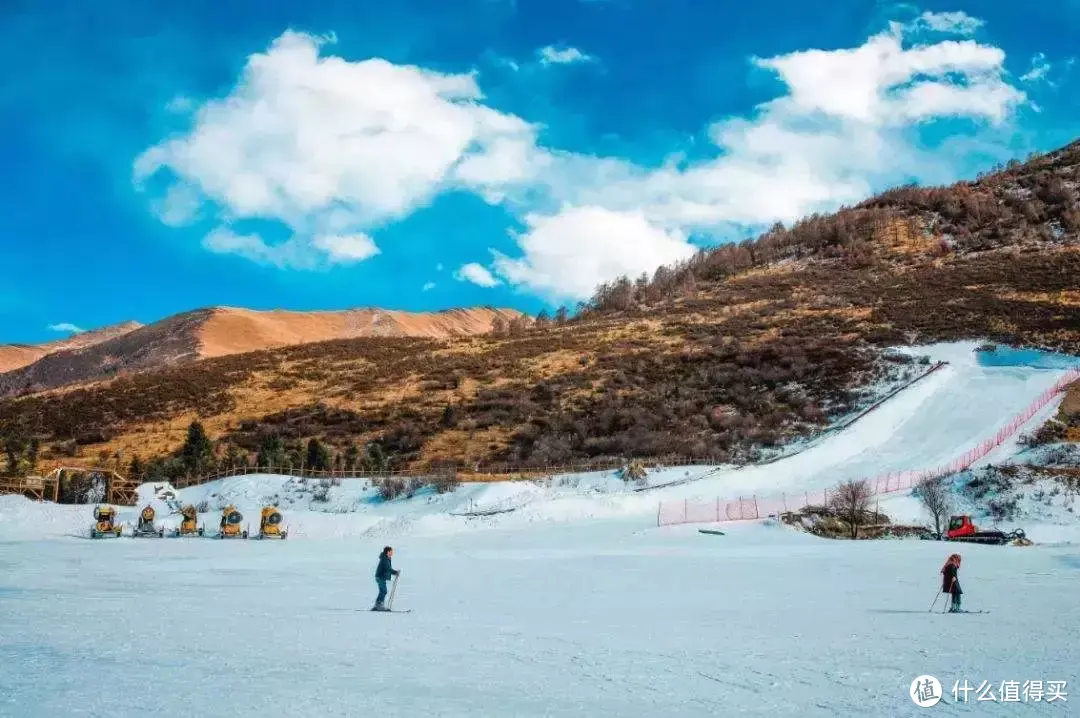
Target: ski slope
<point x="594" y="618"/>
<point x="574" y="603"/>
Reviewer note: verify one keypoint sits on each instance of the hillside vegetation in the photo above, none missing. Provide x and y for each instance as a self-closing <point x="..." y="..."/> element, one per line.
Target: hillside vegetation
<point x="219" y="331"/>
<point x="740" y="349"/>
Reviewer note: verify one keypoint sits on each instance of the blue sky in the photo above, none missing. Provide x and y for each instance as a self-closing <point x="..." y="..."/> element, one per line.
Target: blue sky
<point x="422" y="154"/>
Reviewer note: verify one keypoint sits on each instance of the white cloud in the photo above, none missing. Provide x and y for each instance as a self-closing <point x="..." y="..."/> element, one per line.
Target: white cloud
<point x="477" y="274"/>
<point x="334" y="149"/>
<point x="884" y="83"/>
<point x="847" y="124"/>
<point x="303" y="138"/>
<point x="1039" y="69"/>
<point x="565" y="255"/>
<point x="551" y="55"/>
<point x="953" y="23"/>
<point x="345" y="248"/>
<point x="428" y="287"/>
<point x="65" y="328"/>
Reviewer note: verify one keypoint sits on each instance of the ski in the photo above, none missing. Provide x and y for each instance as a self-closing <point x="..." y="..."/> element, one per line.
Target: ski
<point x="711" y="532"/>
<point x="947" y="612"/>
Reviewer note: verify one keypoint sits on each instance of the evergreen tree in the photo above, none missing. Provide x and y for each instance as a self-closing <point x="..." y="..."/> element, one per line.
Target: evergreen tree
<point x="14" y="444"/>
<point x="135" y="469"/>
<point x="233" y="458"/>
<point x="197" y="453"/>
<point x="352" y="457"/>
<point x="318" y="456"/>
<point x="33" y="450"/>
<point x="271" y="452"/>
<point x="294" y="459"/>
<point x="375" y="457"/>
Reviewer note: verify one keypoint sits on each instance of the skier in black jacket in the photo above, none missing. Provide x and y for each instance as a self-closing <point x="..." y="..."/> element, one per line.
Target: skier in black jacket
<point x="950" y="581"/>
<point x="384" y="573"/>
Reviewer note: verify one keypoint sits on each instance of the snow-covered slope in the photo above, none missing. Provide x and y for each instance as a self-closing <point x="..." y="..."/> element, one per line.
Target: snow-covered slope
<point x="927" y="425"/>
<point x="533" y="612"/>
<point x="597" y="618"/>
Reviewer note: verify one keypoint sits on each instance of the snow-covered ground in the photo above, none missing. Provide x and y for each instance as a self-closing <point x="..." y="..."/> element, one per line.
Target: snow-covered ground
<point x="575" y="603"/>
<point x="595" y="618"/>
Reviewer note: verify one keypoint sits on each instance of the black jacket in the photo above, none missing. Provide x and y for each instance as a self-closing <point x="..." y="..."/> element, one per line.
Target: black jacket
<point x="385" y="571"/>
<point x="950" y="580"/>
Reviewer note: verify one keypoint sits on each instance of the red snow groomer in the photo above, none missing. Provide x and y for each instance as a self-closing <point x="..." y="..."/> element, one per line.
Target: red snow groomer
<point x="962" y="529"/>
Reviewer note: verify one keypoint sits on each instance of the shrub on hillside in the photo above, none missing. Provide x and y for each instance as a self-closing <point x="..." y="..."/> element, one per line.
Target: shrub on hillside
<point x="446" y="483"/>
<point x="391" y="488"/>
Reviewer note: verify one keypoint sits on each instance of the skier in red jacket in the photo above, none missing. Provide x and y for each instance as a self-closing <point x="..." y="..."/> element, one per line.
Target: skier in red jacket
<point x="950" y="581"/>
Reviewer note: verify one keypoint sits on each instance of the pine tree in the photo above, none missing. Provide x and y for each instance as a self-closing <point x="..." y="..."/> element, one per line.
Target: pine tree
<point x="352" y="457"/>
<point x="33" y="450"/>
<point x="233" y="459"/>
<point x="135" y="469"/>
<point x="197" y="453"/>
<point x="318" y="456"/>
<point x="375" y="458"/>
<point x="271" y="452"/>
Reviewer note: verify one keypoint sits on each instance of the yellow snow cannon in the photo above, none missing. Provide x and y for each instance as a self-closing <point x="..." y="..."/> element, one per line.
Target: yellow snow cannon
<point x="231" y="520"/>
<point x="189" y="522"/>
<point x="270" y="524"/>
<point x="105" y="525"/>
<point x="145" y="528"/>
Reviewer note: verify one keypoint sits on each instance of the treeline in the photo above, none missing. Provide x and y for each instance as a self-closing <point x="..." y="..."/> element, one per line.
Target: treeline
<point x="847" y="235"/>
<point x="21" y="449"/>
<point x="199" y="457"/>
<point x="1019" y="203"/>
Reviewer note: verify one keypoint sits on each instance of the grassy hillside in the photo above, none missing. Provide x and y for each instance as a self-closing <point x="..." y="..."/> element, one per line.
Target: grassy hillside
<point x="742" y="348"/>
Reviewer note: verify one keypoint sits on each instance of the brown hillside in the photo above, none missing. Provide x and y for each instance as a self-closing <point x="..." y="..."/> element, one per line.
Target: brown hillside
<point x="13" y="356"/>
<point x="216" y="332"/>
<point x="740" y="349"/>
<point x="16" y="356"/>
<point x="234" y="331"/>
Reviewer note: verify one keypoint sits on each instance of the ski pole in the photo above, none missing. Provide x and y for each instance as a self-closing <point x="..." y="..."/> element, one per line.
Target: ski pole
<point x="393" y="590"/>
<point x="937" y="594"/>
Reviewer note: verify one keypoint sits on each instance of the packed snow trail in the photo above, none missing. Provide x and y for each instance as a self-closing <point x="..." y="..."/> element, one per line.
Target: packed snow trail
<point x="935" y="421"/>
<point x="589" y="619"/>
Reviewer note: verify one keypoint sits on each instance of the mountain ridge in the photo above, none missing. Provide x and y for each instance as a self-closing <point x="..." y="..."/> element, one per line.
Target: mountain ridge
<point x="218" y="331"/>
<point x="726" y="356"/>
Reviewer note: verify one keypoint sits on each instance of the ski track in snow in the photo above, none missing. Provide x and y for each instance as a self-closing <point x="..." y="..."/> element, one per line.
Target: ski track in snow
<point x="573" y="604"/>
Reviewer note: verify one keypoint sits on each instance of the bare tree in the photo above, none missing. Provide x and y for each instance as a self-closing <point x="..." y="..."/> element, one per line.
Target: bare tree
<point x="851" y="502"/>
<point x="936" y="499"/>
<point x="634" y="471"/>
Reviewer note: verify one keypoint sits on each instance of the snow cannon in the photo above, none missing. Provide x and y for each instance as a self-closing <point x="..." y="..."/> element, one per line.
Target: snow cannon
<point x="962" y="529"/>
<point x="189" y="522"/>
<point x="145" y="528"/>
<point x="270" y="524"/>
<point x="105" y="525"/>
<point x="230" y="524"/>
